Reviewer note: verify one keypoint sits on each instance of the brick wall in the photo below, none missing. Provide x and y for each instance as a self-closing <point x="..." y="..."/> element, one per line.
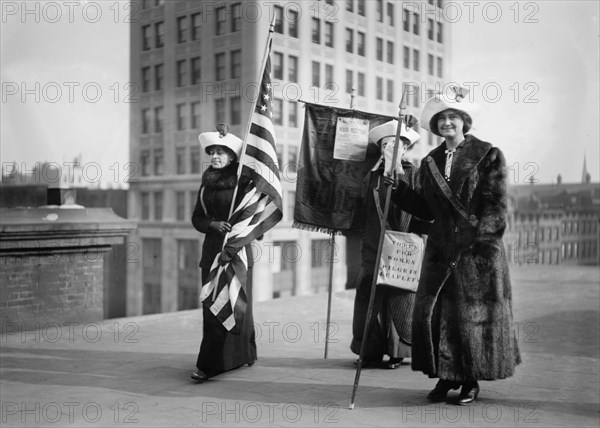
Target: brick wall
<point x="57" y="288"/>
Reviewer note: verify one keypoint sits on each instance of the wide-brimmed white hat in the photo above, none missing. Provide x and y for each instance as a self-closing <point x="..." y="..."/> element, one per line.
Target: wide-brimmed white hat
<point x="455" y="100"/>
<point x="221" y="138"/>
<point x="389" y="129"/>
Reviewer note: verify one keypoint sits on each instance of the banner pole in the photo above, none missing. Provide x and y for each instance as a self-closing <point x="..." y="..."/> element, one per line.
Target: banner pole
<point x="331" y="256"/>
<point x="388" y="194"/>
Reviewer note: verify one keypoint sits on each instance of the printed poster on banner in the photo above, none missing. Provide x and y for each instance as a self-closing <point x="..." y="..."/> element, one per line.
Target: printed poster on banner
<point x="351" y="139"/>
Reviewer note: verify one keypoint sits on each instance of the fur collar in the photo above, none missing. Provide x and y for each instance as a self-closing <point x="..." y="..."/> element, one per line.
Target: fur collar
<point x="220" y="179"/>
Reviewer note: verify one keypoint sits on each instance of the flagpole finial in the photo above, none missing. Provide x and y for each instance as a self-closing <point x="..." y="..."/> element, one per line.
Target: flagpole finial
<point x="272" y="25"/>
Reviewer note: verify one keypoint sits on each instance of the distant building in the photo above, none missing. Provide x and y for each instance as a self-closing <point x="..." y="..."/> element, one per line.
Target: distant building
<point x="554" y="223"/>
<point x="196" y="64"/>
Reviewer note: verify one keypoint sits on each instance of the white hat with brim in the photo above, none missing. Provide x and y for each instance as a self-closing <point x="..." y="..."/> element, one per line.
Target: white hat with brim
<point x="233" y="143"/>
<point x="388" y="129"/>
<point x="441" y="102"/>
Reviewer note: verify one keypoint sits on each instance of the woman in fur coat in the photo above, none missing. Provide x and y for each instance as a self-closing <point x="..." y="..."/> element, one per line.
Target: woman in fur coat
<point x="221" y="350"/>
<point x="462" y="319"/>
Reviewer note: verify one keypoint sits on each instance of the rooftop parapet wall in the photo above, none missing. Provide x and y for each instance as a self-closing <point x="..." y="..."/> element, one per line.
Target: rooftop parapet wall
<point x="52" y="266"/>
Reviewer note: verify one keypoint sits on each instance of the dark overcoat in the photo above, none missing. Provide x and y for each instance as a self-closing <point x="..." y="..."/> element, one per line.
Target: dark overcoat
<point x="462" y="319"/>
<point x="222" y="350"/>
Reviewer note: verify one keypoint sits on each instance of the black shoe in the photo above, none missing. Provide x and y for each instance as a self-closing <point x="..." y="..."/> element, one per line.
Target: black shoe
<point x="468" y="393"/>
<point x="199" y="376"/>
<point x="441" y="389"/>
<point x="369" y="362"/>
<point x="251" y="363"/>
<point x="394" y="363"/>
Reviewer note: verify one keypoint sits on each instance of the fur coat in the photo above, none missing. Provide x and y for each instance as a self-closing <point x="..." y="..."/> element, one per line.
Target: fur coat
<point x="462" y="320"/>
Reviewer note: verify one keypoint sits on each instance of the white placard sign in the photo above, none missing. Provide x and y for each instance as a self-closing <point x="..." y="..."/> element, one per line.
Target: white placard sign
<point x="351" y="139"/>
<point x="401" y="259"/>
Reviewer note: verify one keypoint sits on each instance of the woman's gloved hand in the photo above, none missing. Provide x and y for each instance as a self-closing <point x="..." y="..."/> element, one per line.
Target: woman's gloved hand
<point x="221" y="227"/>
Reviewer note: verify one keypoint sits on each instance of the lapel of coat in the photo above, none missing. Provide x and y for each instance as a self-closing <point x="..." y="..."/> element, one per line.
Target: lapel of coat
<point x="471" y="154"/>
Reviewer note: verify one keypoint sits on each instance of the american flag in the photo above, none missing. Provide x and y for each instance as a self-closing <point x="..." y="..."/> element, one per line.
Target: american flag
<point x="259" y="210"/>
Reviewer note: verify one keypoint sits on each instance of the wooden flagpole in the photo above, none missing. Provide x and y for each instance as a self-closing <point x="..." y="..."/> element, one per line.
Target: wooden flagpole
<point x="383" y="220"/>
<point x="331" y="258"/>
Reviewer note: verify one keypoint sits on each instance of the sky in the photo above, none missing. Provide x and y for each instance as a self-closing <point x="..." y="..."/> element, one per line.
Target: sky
<point x="533" y="66"/>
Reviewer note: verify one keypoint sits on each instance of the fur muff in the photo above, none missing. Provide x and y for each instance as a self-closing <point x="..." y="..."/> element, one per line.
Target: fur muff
<point x="462" y="321"/>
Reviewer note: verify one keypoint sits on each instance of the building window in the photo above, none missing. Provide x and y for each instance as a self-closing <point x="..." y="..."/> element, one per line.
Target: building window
<point x="181" y="69"/>
<point x="180" y="110"/>
<point x="316" y="31"/>
<point x="349" y="40"/>
<point x="416" y="99"/>
<point x="158" y="206"/>
<point x="145" y="120"/>
<point x="146" y="37"/>
<point x="236" y="13"/>
<point x="360" y="46"/>
<point x="145" y="162"/>
<point x="278" y="10"/>
<point x="361" y="7"/>
<point x="430" y="64"/>
<point x="159" y="162"/>
<point x="195" y="70"/>
<point x="159" y="33"/>
<point x="329" y="34"/>
<point x="405" y="20"/>
<point x="293" y="114"/>
<point x="278" y="65"/>
<point x="195" y="114"/>
<point x="158" y="119"/>
<point x="316" y="74"/>
<point x="220" y="66"/>
<point x="440" y="67"/>
<point x="390" y="90"/>
<point x="145" y="203"/>
<point x="390" y="52"/>
<point x="379" y="48"/>
<point x="158" y="77"/>
<point x="329" y="83"/>
<point x="277" y="111"/>
<point x="220" y="16"/>
<point x="349" y="81"/>
<point x="292" y="23"/>
<point x="180" y="160"/>
<point x="430" y="28"/>
<point x="416" y="59"/>
<point x="195" y="159"/>
<point x="181" y="29"/>
<point x="291" y="202"/>
<point x="292" y="68"/>
<point x="220" y="110"/>
<point x="361" y="84"/>
<point x="379" y="88"/>
<point x="145" y="79"/>
<point x="292" y="165"/>
<point x="236" y="110"/>
<point x="196" y="21"/>
<point x="390" y="13"/>
<point x="180" y="206"/>
<point x="350" y="5"/>
<point x="416" y="23"/>
<point x="236" y="64"/>
<point x="439" y="32"/>
<point x="187" y="274"/>
<point x="379" y="10"/>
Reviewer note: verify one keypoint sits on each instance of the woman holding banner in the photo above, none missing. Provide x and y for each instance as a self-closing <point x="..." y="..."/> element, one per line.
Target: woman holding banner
<point x="221" y="350"/>
<point x="462" y="319"/>
<point x="390" y="327"/>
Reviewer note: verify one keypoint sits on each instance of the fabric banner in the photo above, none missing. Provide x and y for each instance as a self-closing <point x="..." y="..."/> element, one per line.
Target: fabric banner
<point x="334" y="160"/>
<point x="401" y="259"/>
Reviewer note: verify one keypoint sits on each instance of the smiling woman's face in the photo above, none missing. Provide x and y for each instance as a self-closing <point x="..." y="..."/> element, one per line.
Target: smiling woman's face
<point x="450" y="124"/>
<point x="219" y="157"/>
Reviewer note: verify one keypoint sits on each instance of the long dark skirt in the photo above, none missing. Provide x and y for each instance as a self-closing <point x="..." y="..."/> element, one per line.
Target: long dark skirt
<point x="391" y="321"/>
<point x="221" y="350"/>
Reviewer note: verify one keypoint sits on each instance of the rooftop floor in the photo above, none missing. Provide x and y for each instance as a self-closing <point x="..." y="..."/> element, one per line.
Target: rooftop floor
<point x="135" y="371"/>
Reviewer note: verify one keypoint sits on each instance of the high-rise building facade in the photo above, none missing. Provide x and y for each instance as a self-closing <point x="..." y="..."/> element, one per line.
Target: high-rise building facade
<point x="196" y="64"/>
